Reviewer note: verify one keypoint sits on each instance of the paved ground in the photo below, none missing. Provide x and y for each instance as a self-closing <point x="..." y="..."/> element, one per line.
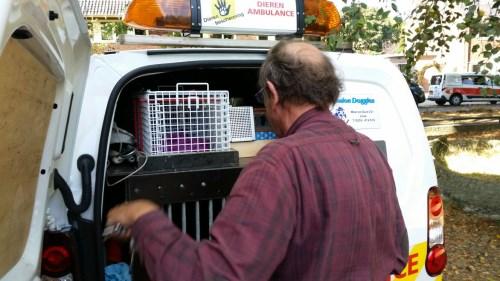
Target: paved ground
<point x="430" y="106"/>
<point x="428" y="103"/>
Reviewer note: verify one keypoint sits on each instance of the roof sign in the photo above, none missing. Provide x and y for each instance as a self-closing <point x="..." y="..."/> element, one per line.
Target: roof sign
<point x="266" y="17"/>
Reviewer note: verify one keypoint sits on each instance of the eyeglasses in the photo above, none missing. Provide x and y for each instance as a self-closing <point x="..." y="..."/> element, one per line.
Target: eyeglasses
<point x="259" y="96"/>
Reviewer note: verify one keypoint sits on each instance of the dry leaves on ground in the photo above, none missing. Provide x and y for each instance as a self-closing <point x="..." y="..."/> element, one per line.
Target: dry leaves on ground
<point x="473" y="246"/>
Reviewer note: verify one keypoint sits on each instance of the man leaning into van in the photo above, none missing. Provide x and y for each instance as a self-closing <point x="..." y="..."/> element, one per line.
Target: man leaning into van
<point x="317" y="204"/>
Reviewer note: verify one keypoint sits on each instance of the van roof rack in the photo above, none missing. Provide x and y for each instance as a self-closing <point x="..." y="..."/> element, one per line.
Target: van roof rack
<point x="157" y="40"/>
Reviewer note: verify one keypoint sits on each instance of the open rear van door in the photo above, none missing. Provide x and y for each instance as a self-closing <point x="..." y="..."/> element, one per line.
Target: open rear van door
<point x="44" y="57"/>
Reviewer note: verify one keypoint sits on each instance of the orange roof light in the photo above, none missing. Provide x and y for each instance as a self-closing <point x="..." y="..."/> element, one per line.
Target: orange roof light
<point x="327" y="17"/>
<point x="269" y="17"/>
<point x="159" y="14"/>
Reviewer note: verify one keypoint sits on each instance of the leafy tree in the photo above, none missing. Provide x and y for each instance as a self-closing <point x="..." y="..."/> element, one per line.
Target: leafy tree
<point x="436" y="23"/>
<point x="110" y="28"/>
<point x="368" y="29"/>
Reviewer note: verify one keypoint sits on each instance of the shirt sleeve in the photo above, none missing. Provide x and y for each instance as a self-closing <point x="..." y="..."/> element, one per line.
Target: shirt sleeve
<point x="249" y="237"/>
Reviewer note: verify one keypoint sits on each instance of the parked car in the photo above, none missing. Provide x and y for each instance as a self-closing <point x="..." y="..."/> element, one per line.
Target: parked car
<point x="416" y="91"/>
<point x="65" y="115"/>
<point x="456" y="88"/>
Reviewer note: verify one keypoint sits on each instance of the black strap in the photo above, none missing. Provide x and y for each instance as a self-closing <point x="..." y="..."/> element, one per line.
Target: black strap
<point x="300" y="18"/>
<point x="195" y="17"/>
<point x="85" y="164"/>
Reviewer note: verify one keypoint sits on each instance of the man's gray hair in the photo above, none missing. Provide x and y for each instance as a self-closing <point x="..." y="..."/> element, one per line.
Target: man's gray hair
<point x="301" y="76"/>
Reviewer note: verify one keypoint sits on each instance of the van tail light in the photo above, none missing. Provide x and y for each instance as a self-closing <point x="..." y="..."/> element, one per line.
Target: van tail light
<point x="436" y="260"/>
<point x="58" y="256"/>
<point x="436" y="252"/>
<point x="114" y="251"/>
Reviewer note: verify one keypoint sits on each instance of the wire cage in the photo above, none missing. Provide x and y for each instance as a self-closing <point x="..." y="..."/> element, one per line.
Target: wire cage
<point x="172" y="122"/>
<point x="242" y="123"/>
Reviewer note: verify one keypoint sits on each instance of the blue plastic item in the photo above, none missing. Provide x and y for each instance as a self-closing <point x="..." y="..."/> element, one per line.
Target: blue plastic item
<point x="117" y="272"/>
<point x="265" y="135"/>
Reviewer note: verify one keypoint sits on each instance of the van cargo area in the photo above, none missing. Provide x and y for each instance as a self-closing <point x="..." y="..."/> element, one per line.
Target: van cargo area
<point x="191" y="181"/>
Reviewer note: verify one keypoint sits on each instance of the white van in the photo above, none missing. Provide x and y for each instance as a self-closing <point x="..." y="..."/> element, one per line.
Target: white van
<point x="67" y="156"/>
<point x="456" y="88"/>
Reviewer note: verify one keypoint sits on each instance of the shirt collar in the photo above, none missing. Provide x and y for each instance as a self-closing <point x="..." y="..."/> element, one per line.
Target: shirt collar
<point x="304" y="118"/>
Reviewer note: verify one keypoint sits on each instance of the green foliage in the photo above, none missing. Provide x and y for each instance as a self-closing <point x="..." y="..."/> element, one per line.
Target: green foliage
<point x="117" y="28"/>
<point x="309" y="20"/>
<point x="440" y="149"/>
<point x="90" y="28"/>
<point x="436" y="23"/>
<point x="368" y="29"/>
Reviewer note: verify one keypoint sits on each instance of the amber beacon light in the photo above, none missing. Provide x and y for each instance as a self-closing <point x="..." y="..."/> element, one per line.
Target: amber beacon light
<point x="327" y="17"/>
<point x="159" y="14"/>
<point x="266" y="17"/>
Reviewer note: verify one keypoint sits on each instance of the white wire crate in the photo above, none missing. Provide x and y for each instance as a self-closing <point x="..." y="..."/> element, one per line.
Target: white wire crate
<point x="242" y="123"/>
<point x="172" y="122"/>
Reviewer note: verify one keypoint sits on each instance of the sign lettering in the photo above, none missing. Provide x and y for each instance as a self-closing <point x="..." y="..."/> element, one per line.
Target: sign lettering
<point x="249" y="16"/>
<point x="412" y="267"/>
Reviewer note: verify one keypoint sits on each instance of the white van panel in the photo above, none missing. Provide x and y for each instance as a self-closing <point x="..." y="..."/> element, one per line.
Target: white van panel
<point x="101" y="81"/>
<point x="408" y="152"/>
<point x="137" y="59"/>
<point x="404" y="155"/>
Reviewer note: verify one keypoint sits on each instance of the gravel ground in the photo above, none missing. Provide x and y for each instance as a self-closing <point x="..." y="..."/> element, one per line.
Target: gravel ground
<point x="473" y="245"/>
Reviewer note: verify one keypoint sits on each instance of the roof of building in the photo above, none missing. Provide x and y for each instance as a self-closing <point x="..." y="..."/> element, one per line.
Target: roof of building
<point x="104" y="8"/>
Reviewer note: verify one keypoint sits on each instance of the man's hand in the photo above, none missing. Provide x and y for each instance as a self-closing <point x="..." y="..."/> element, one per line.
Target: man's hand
<point x="128" y="213"/>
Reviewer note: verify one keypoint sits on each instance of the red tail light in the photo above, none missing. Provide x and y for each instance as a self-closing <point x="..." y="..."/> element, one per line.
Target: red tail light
<point x="57" y="254"/>
<point x="436" y="206"/>
<point x="436" y="253"/>
<point x="56" y="260"/>
<point x="114" y="251"/>
<point x="436" y="260"/>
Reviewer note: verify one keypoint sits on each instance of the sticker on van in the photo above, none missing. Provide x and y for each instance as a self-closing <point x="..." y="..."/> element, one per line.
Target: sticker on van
<point x="358" y="112"/>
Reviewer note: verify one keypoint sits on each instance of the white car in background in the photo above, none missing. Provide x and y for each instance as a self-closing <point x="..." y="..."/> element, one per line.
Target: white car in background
<point x="456" y="88"/>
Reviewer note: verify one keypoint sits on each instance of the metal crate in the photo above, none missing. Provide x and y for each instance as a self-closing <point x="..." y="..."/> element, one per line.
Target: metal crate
<point x="170" y="122"/>
<point x="242" y="123"/>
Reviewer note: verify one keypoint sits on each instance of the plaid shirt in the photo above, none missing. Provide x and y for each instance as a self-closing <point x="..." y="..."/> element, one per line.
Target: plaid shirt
<point x="318" y="204"/>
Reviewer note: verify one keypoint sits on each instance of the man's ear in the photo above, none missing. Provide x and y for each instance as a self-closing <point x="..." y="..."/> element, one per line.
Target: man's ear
<point x="273" y="96"/>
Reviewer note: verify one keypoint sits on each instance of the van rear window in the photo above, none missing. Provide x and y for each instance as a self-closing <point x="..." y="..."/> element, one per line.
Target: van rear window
<point x="436" y="80"/>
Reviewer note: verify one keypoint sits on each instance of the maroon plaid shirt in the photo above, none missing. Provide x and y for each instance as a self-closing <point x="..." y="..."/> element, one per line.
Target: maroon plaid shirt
<point x="318" y="204"/>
